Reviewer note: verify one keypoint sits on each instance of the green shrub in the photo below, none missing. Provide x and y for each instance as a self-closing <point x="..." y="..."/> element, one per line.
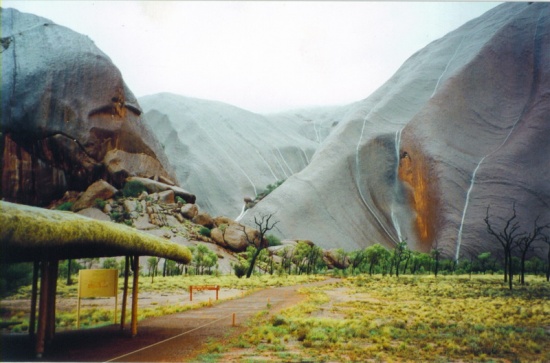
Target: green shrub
<point x="13" y="276"/>
<point x="67" y="206"/>
<point x="133" y="189"/>
<point x="273" y="240"/>
<point x="100" y="203"/>
<point x="180" y="200"/>
<point x="205" y="231"/>
<point x="240" y="270"/>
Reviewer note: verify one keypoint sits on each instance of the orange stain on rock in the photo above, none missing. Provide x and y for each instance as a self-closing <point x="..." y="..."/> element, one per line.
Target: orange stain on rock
<point x="415" y="171"/>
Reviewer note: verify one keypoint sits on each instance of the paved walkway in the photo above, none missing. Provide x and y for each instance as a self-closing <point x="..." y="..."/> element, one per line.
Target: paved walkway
<point x="172" y="338"/>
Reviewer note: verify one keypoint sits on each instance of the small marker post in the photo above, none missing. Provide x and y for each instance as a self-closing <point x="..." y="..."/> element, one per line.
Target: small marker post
<point x="233" y="324"/>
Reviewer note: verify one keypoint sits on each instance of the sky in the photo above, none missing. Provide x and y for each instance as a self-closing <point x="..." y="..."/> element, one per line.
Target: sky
<point x="263" y="56"/>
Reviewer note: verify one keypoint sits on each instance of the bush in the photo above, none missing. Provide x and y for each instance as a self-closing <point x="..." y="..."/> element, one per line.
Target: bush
<point x="67" y="206"/>
<point x="133" y="189"/>
<point x="13" y="276"/>
<point x="180" y="200"/>
<point x="100" y="203"/>
<point x="240" y="270"/>
<point x="204" y="231"/>
<point x="273" y="240"/>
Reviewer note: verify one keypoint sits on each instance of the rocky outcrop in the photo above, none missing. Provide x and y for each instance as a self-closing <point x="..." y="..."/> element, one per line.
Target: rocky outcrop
<point x="463" y="124"/>
<point x="224" y="154"/>
<point x="154" y="186"/>
<point x="68" y="118"/>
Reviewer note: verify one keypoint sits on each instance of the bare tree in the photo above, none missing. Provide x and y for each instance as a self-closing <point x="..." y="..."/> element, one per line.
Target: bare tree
<point x="546" y="239"/>
<point x="524" y="244"/>
<point x="263" y="225"/>
<point x="508" y="238"/>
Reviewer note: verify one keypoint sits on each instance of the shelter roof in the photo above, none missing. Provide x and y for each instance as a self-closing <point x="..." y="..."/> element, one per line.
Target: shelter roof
<point x="30" y="233"/>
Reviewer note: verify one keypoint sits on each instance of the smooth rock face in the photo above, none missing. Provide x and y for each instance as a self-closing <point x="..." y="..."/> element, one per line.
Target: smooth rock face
<point x="225" y="154"/>
<point x="65" y="107"/>
<point x="463" y="124"/>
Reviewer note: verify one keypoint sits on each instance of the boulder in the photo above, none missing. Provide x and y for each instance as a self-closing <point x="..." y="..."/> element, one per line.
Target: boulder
<point x="204" y="219"/>
<point x="189" y="211"/>
<point x="142" y="223"/>
<point x="218" y="221"/>
<point x="157" y="187"/>
<point x="130" y="205"/>
<point x="98" y="190"/>
<point x="333" y="259"/>
<point x="122" y="164"/>
<point x="234" y="237"/>
<point x="167" y="197"/>
<point x="94" y="213"/>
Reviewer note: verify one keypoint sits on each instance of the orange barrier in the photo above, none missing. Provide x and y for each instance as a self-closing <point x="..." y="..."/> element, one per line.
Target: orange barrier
<point x="201" y="288"/>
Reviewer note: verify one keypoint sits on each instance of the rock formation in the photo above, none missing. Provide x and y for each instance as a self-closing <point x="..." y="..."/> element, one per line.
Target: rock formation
<point x="463" y="124"/>
<point x="225" y="154"/>
<point x="68" y="118"/>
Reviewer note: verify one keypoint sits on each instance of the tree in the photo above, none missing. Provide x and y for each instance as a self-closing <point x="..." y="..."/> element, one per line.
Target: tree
<point x="110" y="263"/>
<point x="203" y="259"/>
<point x="315" y="261"/>
<point x="483" y="259"/>
<point x="152" y="264"/>
<point x="299" y="257"/>
<point x="264" y="225"/>
<point x="436" y="255"/>
<point x="507" y="237"/>
<point x="171" y="267"/>
<point x="356" y="259"/>
<point x="524" y="244"/>
<point x="399" y="254"/>
<point x="375" y="254"/>
<point x="546" y="239"/>
<point x="89" y="262"/>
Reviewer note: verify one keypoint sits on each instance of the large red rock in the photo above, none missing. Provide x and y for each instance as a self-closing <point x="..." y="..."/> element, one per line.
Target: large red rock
<point x="463" y="124"/>
<point x="65" y="110"/>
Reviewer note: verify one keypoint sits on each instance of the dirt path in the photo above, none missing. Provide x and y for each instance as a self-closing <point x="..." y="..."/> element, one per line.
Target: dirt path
<point x="172" y="338"/>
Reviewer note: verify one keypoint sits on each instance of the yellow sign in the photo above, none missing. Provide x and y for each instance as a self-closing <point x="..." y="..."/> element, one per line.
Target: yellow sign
<point x="98" y="283"/>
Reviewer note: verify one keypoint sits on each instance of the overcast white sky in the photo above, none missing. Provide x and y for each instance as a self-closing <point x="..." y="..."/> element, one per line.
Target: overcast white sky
<point x="261" y="56"/>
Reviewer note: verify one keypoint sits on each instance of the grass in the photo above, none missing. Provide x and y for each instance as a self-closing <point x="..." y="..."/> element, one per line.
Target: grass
<point x="371" y="318"/>
<point x="98" y="316"/>
<point x="407" y="319"/>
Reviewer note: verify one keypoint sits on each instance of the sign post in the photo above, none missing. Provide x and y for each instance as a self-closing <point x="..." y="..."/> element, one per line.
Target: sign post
<point x="97" y="283"/>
